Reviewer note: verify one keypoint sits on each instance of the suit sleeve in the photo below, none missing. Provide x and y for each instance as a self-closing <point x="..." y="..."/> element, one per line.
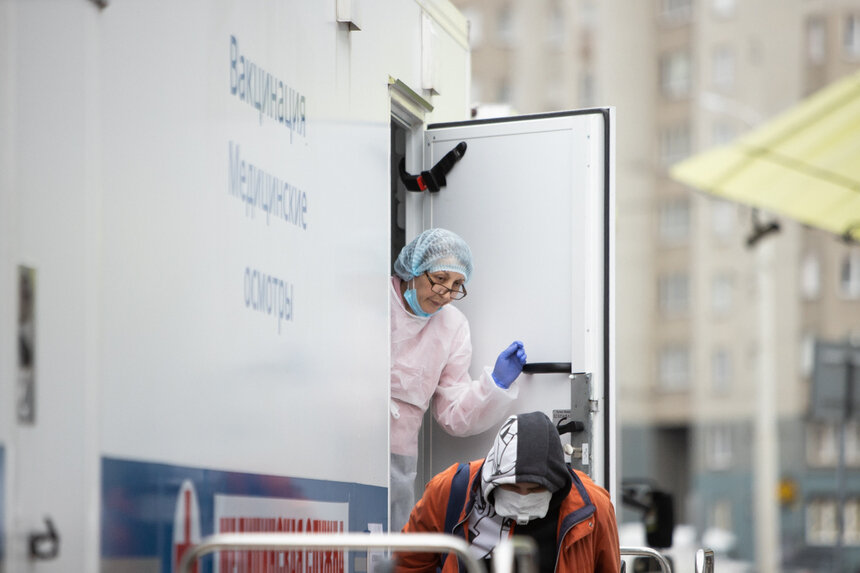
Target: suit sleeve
<point x="463" y="406"/>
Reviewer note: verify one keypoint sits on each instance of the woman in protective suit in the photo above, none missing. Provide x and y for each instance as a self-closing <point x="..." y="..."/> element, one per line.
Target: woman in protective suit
<point x="431" y="352"/>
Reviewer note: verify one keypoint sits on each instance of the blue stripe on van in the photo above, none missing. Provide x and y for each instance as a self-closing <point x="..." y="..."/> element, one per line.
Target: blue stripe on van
<point x="139" y="498"/>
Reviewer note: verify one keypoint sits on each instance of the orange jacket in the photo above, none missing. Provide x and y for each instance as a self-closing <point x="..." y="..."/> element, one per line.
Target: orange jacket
<point x="586" y="526"/>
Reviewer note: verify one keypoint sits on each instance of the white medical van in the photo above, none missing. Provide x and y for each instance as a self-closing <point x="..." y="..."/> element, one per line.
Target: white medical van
<point x="200" y="201"/>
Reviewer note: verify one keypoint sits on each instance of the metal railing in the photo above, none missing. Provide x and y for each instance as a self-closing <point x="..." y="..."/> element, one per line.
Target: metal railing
<point x="518" y="548"/>
<point x="648" y="552"/>
<point x="705" y="560"/>
<point x="423" y="542"/>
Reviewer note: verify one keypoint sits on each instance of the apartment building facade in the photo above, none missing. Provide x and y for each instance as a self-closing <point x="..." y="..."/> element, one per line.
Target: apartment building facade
<point x="716" y="323"/>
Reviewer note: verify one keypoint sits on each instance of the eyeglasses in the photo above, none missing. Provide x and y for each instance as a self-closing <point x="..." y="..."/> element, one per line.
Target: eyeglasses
<point x="440" y="289"/>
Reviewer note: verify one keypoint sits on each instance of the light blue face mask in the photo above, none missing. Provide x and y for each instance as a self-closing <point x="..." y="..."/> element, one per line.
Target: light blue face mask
<point x="411" y="296"/>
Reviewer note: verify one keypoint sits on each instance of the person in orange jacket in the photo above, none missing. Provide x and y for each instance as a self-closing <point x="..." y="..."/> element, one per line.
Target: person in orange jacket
<point x="523" y="487"/>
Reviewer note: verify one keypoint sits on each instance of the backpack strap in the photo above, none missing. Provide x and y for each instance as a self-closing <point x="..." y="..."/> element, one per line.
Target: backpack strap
<point x="456" y="499"/>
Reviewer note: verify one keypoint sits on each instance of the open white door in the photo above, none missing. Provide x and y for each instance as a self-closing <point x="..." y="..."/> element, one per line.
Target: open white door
<point x="533" y="198"/>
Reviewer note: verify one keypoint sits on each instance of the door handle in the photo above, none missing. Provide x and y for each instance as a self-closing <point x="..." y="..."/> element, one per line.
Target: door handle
<point x="548" y="368"/>
<point x="571" y="427"/>
<point x="45" y="545"/>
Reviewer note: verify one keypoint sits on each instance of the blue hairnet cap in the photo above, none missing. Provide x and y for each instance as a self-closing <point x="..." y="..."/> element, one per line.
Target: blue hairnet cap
<point x="434" y="250"/>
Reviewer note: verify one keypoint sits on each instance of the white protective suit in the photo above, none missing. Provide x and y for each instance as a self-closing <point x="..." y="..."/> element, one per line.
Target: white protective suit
<point x="430" y="359"/>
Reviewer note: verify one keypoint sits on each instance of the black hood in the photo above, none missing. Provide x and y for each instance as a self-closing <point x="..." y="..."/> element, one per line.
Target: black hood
<point x="527" y="448"/>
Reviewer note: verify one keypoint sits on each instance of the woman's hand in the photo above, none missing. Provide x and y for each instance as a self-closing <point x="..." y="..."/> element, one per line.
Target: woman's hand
<point x="509" y="364"/>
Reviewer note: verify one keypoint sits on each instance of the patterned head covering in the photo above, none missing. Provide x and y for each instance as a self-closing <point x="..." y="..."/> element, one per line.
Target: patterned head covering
<point x="526" y="449"/>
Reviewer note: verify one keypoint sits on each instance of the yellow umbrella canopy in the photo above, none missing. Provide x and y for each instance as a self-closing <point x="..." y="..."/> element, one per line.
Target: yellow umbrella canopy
<point x="804" y="164"/>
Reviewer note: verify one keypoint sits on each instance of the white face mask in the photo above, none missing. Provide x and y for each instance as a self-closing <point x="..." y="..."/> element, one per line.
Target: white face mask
<point x="522" y="507"/>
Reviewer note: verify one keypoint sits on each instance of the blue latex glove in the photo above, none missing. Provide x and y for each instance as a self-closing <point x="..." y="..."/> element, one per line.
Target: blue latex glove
<point x="509" y="364"/>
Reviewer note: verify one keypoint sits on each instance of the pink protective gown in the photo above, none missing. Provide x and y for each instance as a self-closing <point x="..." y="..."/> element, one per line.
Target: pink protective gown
<point x="430" y="358"/>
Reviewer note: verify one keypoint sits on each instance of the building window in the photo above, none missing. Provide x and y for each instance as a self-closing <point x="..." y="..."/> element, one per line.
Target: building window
<point x="807" y="354"/>
<point x="476" y="28"/>
<point x="675" y="74"/>
<point x="851" y="39"/>
<point x="816" y="40"/>
<point x="723" y="68"/>
<point x="505" y="26"/>
<point x="810" y="277"/>
<point x="674" y="368"/>
<point x="723" y="218"/>
<point x="586" y="89"/>
<point x="675" y="11"/>
<point x="503" y="92"/>
<point x="822" y="444"/>
<point x="723" y="132"/>
<point x="822" y="525"/>
<point x="721" y="371"/>
<point x="722" y="294"/>
<point x="554" y="97"/>
<point x="674" y="221"/>
<point x="721" y="515"/>
<point x="555" y="25"/>
<point x="851" y="523"/>
<point x="850" y="275"/>
<point x="821" y="522"/>
<point x="724" y="8"/>
<point x="674" y="293"/>
<point x="477" y="90"/>
<point x="674" y="143"/>
<point x="588" y="13"/>
<point x="821" y="449"/>
<point x="718" y="448"/>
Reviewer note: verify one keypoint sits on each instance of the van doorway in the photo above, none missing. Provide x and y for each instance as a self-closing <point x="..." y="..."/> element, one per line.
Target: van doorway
<point x="406" y="207"/>
<point x="399" y="134"/>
